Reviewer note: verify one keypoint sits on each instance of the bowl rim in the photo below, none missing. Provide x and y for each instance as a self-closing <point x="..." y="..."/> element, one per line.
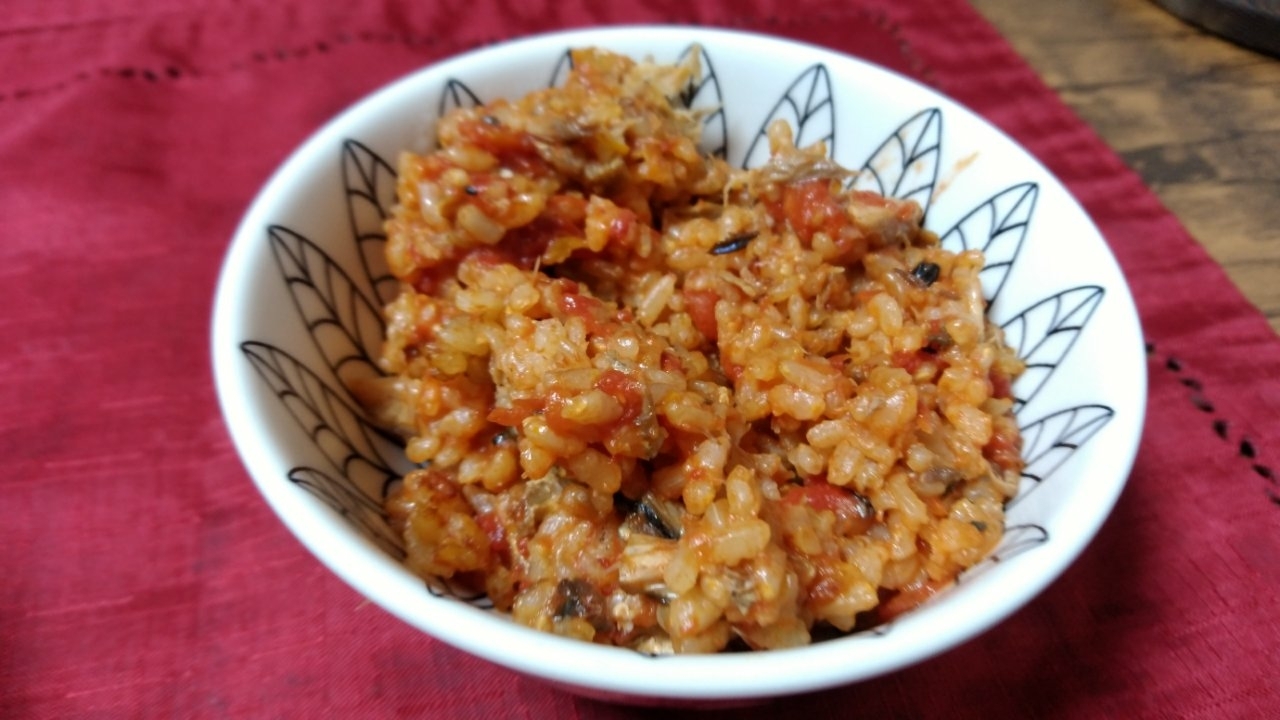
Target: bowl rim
<point x="595" y="668"/>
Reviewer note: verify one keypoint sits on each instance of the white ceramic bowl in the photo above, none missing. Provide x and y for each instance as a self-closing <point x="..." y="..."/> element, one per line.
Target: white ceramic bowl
<point x="297" y="307"/>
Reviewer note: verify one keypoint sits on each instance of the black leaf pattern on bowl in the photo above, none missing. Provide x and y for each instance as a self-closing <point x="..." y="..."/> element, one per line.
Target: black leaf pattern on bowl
<point x="997" y="227"/>
<point x="703" y="93"/>
<point x="341" y="321"/>
<point x="1016" y="540"/>
<point x="1044" y="333"/>
<point x="560" y="72"/>
<point x="448" y="588"/>
<point x="457" y="95"/>
<point x="370" y="183"/>
<point x="357" y="507"/>
<point x="906" y="164"/>
<point x="360" y="452"/>
<point x="1048" y="442"/>
<point x="808" y="105"/>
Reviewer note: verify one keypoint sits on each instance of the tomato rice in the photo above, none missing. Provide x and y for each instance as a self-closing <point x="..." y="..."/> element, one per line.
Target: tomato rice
<point x="660" y="403"/>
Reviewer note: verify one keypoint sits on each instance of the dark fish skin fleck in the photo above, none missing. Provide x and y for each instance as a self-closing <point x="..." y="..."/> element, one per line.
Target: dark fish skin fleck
<point x="926" y="273"/>
<point x="651" y="516"/>
<point x="578" y="598"/>
<point x="733" y="244"/>
<point x="650" y="521"/>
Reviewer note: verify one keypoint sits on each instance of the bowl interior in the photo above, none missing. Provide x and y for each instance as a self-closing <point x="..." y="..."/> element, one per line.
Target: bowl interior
<point x="298" y="302"/>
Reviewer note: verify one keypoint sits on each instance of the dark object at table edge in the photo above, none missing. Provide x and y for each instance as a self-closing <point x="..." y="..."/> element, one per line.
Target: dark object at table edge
<point x="1251" y="23"/>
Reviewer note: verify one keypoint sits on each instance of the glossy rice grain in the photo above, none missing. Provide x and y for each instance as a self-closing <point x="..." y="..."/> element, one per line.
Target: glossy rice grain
<point x="667" y="405"/>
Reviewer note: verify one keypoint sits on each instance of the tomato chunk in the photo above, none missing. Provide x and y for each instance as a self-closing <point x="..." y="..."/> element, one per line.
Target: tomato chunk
<point x="701" y="305"/>
<point x="809" y="207"/>
<point x="493" y="528"/>
<point x="854" y="513"/>
<point x="626" y="390"/>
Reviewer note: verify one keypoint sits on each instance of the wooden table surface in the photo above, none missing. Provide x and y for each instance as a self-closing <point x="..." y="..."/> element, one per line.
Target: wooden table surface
<point x="1196" y="116"/>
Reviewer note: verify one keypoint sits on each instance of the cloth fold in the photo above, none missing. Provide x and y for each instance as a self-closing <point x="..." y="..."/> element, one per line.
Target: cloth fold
<point x="142" y="574"/>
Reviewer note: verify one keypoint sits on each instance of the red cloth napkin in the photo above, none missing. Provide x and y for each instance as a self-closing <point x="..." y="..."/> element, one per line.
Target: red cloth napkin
<point x="142" y="575"/>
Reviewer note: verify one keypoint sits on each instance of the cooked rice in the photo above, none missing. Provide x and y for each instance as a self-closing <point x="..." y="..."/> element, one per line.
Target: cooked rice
<point x="664" y="404"/>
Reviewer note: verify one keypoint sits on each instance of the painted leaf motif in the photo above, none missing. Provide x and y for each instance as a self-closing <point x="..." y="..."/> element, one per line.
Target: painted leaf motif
<point x="997" y="228"/>
<point x="343" y="323"/>
<point x="906" y="164"/>
<point x="703" y="93"/>
<point x="457" y="95"/>
<point x="450" y="588"/>
<point x="808" y="105"/>
<point x="1048" y="442"/>
<point x="1043" y="334"/>
<point x="365" y="512"/>
<point x="370" y="184"/>
<point x="355" y="448"/>
<point x="1018" y="539"/>
<point x="562" y="69"/>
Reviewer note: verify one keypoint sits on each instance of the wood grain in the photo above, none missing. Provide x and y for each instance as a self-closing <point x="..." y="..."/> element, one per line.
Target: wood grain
<point x="1196" y="116"/>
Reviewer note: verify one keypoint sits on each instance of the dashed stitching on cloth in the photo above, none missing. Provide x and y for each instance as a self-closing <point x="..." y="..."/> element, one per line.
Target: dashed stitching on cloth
<point x="170" y="72"/>
<point x="1244" y="447"/>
